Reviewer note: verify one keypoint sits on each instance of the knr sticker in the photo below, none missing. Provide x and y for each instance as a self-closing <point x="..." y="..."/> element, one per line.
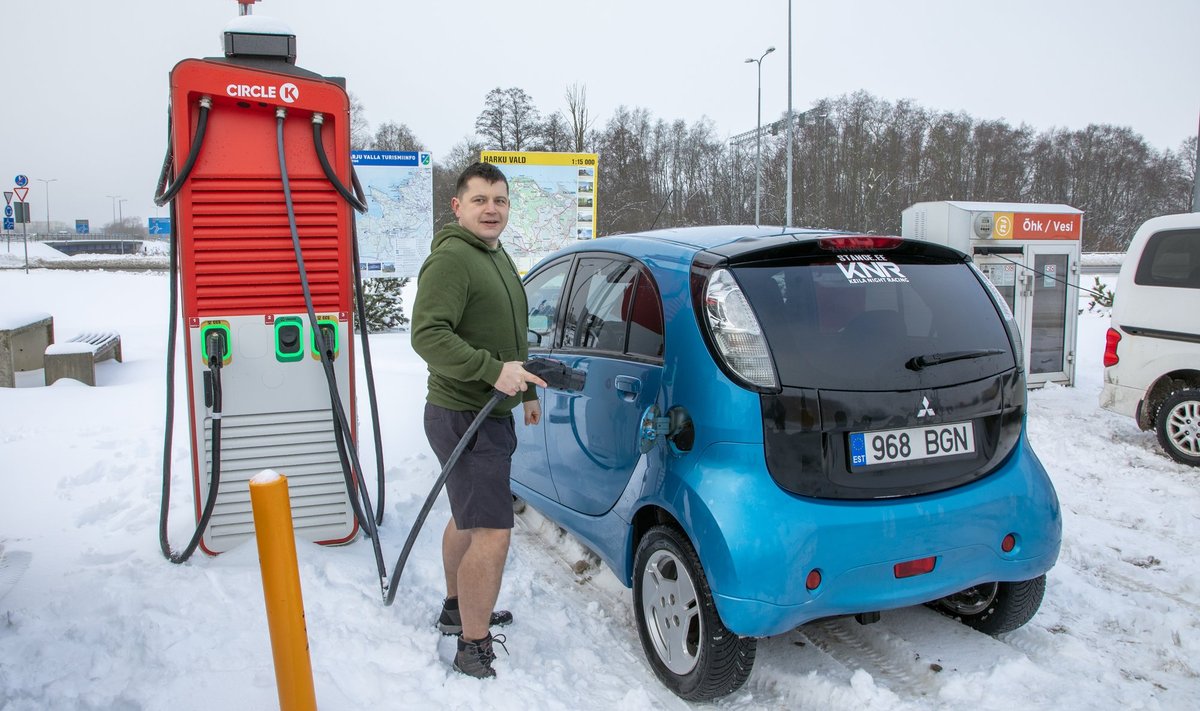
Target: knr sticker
<point x="870" y="269"/>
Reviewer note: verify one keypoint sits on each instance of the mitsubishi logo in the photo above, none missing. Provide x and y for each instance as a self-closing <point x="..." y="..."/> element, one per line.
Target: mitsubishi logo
<point x="926" y="410"/>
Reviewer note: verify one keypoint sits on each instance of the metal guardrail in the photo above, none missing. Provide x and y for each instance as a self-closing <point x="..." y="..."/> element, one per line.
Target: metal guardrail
<point x="96" y="246"/>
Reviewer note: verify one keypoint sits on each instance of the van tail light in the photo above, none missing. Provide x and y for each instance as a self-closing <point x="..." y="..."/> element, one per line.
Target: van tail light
<point x="736" y="331"/>
<point x="913" y="568"/>
<point x="1111" y="339"/>
<point x="858" y="243"/>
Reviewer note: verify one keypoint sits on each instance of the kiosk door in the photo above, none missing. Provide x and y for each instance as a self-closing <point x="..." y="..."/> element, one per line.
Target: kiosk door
<point x="1033" y="281"/>
<point x="1050" y="336"/>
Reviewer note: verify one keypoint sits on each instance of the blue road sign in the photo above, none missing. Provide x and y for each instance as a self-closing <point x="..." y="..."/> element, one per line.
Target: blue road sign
<point x="8" y="211"/>
<point x="21" y="181"/>
<point x="81" y="227"/>
<point x="159" y="225"/>
<point x="10" y="223"/>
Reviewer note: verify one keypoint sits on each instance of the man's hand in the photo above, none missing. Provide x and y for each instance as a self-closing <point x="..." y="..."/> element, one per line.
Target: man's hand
<point x="533" y="412"/>
<point x="514" y="378"/>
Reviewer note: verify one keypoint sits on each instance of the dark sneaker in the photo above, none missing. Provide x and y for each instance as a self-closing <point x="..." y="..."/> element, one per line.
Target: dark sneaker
<point x="450" y="622"/>
<point x="475" y="658"/>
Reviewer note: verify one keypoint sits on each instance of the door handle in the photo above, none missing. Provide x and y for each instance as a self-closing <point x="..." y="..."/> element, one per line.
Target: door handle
<point x="628" y="387"/>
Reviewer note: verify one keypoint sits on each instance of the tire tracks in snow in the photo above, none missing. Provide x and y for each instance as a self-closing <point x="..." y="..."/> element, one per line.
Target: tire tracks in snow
<point x="533" y="528"/>
<point x="888" y="659"/>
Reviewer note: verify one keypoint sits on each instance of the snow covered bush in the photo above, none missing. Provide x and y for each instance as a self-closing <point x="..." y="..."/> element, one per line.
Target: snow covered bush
<point x="384" y="304"/>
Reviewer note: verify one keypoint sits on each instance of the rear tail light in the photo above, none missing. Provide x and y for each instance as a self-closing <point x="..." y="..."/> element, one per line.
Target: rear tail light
<point x="813" y="580"/>
<point x="736" y="331"/>
<point x="913" y="568"/>
<point x="858" y="243"/>
<point x="1111" y="339"/>
<point x="1009" y="543"/>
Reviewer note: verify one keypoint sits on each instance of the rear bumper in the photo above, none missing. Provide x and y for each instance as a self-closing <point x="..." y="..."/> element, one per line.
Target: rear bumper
<point x="758" y="543"/>
<point x="873" y="587"/>
<point x="1120" y="399"/>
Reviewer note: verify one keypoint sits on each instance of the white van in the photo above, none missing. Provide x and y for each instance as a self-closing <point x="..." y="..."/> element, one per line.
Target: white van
<point x="1152" y="355"/>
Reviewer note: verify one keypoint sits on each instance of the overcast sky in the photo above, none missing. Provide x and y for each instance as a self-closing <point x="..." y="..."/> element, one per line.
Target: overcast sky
<point x="86" y="81"/>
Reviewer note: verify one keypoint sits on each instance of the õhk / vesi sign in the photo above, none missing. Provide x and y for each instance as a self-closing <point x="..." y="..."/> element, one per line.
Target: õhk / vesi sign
<point x="1033" y="225"/>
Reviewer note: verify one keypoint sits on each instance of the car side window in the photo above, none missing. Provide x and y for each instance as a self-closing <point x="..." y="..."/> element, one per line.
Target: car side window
<point x="614" y="307"/>
<point x="1171" y="258"/>
<point x="594" y="309"/>
<point x="542" y="291"/>
<point x="645" y="319"/>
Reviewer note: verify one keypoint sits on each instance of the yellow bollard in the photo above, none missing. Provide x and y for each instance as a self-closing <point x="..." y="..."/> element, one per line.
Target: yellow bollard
<point x="281" y="589"/>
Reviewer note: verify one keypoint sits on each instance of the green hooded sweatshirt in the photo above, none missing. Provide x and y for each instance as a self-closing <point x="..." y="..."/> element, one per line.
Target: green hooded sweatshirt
<point x="469" y="318"/>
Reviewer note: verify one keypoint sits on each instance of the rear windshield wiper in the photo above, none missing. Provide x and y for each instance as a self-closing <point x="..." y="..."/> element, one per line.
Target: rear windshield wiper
<point x="923" y="361"/>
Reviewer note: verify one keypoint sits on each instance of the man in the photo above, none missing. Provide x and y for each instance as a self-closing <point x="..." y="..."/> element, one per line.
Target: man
<point x="469" y="325"/>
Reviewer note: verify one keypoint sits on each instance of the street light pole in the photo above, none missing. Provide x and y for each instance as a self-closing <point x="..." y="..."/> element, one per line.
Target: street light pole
<point x="121" y="221"/>
<point x="114" y="206"/>
<point x="758" y="143"/>
<point x="47" y="184"/>
<point x="1196" y="180"/>
<point x="787" y="219"/>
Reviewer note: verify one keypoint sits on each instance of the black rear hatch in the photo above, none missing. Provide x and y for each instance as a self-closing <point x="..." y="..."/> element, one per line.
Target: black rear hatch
<point x="896" y="370"/>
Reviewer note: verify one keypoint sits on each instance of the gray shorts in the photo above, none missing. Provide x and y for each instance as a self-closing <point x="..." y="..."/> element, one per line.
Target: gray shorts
<point x="478" y="488"/>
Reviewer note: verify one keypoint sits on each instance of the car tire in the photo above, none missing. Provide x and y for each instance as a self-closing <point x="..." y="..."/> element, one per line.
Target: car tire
<point x="995" y="608"/>
<point x="689" y="648"/>
<point x="1178" y="426"/>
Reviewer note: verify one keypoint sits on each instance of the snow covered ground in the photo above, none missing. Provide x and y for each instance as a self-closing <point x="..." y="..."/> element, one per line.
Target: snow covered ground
<point x="100" y="621"/>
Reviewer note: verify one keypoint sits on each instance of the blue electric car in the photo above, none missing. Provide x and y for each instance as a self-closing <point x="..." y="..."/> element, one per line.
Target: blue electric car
<point x="784" y="425"/>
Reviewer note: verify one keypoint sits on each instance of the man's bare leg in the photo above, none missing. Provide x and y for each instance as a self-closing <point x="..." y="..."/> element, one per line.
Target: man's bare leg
<point x="480" y="572"/>
<point x="454" y="547"/>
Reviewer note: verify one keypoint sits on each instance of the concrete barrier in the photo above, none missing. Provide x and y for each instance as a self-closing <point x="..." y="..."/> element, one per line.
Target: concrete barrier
<point x="23" y="341"/>
<point x="77" y="357"/>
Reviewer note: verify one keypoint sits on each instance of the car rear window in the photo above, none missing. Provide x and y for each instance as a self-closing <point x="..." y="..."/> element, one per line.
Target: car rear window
<point x="1171" y="258"/>
<point x="855" y="322"/>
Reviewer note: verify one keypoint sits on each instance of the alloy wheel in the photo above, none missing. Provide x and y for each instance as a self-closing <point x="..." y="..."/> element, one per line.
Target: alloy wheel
<point x="672" y="612"/>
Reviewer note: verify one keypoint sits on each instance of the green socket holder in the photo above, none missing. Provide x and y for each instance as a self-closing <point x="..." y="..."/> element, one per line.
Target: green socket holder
<point x="289" y="339"/>
<point x="329" y="328"/>
<point x="208" y="327"/>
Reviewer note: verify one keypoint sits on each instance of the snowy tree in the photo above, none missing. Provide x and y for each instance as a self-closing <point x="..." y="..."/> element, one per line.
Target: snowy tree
<point x="525" y="119"/>
<point x="493" y="122"/>
<point x="445" y="175"/>
<point x="555" y="134"/>
<point x="509" y="120"/>
<point x="577" y="112"/>
<point x="384" y="304"/>
<point x="360" y="130"/>
<point x="392" y="136"/>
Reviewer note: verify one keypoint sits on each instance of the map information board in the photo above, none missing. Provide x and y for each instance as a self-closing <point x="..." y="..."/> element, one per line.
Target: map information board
<point x="395" y="234"/>
<point x="553" y="198"/>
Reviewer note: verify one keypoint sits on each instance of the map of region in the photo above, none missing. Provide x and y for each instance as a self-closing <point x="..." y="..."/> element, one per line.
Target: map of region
<point x="543" y="214"/>
<point x="395" y="234"/>
<point x="553" y="199"/>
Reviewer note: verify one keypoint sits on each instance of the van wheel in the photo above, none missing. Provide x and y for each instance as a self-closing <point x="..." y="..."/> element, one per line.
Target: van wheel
<point x="690" y="649"/>
<point x="995" y="608"/>
<point x="1178" y="426"/>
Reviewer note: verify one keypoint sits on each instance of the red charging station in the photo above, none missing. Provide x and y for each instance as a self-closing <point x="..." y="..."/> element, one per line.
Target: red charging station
<point x="240" y="281"/>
